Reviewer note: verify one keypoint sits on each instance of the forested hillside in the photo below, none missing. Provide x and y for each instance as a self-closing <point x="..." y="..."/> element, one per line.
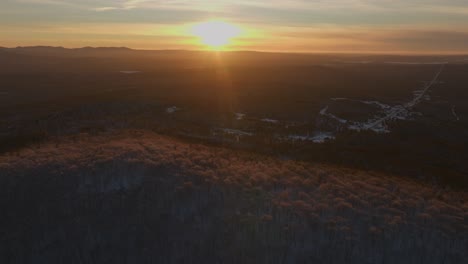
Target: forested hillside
<point x="138" y="197"/>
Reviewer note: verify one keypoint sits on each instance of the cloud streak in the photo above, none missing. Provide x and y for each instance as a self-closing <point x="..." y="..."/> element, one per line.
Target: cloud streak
<point x="443" y="6"/>
<point x="346" y="25"/>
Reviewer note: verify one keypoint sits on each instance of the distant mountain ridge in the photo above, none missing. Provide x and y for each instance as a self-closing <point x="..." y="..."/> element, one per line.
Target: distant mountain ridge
<point x="63" y="48"/>
<point x="62" y="51"/>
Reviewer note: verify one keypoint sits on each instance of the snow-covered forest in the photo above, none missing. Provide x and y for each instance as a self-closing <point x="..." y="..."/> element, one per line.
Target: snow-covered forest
<point x="138" y="197"/>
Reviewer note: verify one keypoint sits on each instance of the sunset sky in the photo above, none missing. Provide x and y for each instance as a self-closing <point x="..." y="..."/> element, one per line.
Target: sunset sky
<point x="391" y="26"/>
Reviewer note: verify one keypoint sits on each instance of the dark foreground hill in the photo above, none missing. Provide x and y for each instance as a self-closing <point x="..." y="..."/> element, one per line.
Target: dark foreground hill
<point x="137" y="197"/>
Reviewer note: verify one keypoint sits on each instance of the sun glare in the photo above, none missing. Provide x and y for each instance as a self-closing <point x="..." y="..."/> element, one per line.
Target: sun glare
<point x="216" y="34"/>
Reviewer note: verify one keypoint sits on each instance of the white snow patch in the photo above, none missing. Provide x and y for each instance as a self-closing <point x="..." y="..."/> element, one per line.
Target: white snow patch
<point x="235" y="132"/>
<point x="171" y="110"/>
<point x="379" y="104"/>
<point x="318" y="137"/>
<point x="398" y="112"/>
<point x="357" y="62"/>
<point x="455" y="113"/>
<point x="380" y="128"/>
<point x="268" y="120"/>
<point x="324" y="112"/>
<point x="239" y="116"/>
<point x="415" y="63"/>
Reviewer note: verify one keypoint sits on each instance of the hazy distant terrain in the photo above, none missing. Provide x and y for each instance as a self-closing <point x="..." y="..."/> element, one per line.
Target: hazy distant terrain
<point x="262" y="101"/>
<point x="112" y="155"/>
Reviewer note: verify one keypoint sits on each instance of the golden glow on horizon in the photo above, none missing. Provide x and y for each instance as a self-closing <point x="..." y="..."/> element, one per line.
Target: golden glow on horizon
<point x="252" y="36"/>
<point x="216" y="34"/>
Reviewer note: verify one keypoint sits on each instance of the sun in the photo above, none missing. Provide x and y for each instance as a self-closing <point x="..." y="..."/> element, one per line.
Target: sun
<point x="216" y="34"/>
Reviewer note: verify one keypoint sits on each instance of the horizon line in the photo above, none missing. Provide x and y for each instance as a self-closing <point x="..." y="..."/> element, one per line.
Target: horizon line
<point x="375" y="53"/>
